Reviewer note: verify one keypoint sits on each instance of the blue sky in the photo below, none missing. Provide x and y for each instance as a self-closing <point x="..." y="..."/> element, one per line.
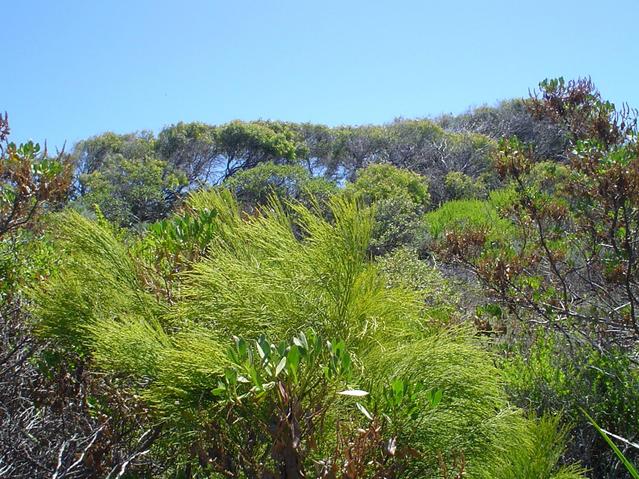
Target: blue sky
<point x="75" y="68"/>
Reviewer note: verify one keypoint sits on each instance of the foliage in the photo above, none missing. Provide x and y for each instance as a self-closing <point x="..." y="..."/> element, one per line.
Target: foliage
<point x="320" y="157"/>
<point x="275" y="399"/>
<point x="477" y="217"/>
<point x="132" y="191"/>
<point x="208" y="154"/>
<point x="98" y="281"/>
<point x="57" y="420"/>
<point x="418" y="145"/>
<point x="535" y="455"/>
<point x="397" y="223"/>
<point x="579" y="109"/>
<point x="321" y="282"/>
<point x="402" y="267"/>
<point x="25" y="258"/>
<point x="460" y="186"/>
<point x="235" y="308"/>
<point x="274" y="275"/>
<point x="91" y="154"/>
<point x="399" y="197"/>
<point x="191" y="149"/>
<point x="512" y="118"/>
<point x="383" y="181"/>
<point x="245" y="145"/>
<point x="30" y="181"/>
<point x="355" y="148"/>
<point x="569" y="263"/>
<point x="627" y="464"/>
<point x="136" y="178"/>
<point x="171" y="246"/>
<point x="256" y="186"/>
<point x="553" y="375"/>
<point x="577" y="225"/>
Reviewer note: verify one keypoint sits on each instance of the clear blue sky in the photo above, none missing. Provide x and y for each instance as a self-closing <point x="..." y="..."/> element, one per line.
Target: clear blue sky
<point x="76" y="68"/>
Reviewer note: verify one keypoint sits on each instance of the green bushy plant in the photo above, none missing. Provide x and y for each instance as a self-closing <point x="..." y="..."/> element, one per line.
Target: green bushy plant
<point x="384" y="181"/>
<point x="460" y="186"/>
<point x="552" y="375"/>
<point x="399" y="197"/>
<point x="403" y="267"/>
<point x="256" y="186"/>
<point x="467" y="215"/>
<point x="535" y="455"/>
<point x="624" y="460"/>
<point x="132" y="190"/>
<point x="276" y="275"/>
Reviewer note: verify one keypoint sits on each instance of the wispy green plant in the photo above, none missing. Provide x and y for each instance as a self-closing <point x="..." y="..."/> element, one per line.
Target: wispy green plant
<point x="627" y="464"/>
<point x="270" y="275"/>
<point x="403" y="268"/>
<point x="276" y="274"/>
<point x="533" y="450"/>
<point x="460" y="215"/>
<point x="97" y="280"/>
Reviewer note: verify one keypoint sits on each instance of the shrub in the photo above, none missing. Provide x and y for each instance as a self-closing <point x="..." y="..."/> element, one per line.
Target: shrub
<point x="132" y="190"/>
<point x="415" y="399"/>
<point x="467" y="216"/>
<point x="462" y="187"/>
<point x="383" y="181"/>
<point x="399" y="197"/>
<point x="256" y="186"/>
<point x="535" y="455"/>
<point x="553" y="375"/>
<point x="403" y="268"/>
<point x="30" y="181"/>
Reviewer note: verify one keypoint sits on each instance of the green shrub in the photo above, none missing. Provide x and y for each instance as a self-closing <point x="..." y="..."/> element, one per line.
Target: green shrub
<point x="383" y="181"/>
<point x="403" y="268"/>
<point x="397" y="224"/>
<point x="535" y="453"/>
<point x="266" y="279"/>
<point x="255" y="186"/>
<point x="132" y="190"/>
<point x="399" y="197"/>
<point x="462" y="187"/>
<point x="552" y="375"/>
<point x="468" y="215"/>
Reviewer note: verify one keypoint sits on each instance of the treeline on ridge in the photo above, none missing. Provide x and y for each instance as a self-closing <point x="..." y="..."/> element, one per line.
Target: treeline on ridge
<point x="138" y="177"/>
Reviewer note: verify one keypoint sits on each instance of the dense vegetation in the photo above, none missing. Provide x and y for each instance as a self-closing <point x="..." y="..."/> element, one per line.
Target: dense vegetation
<point x="435" y="298"/>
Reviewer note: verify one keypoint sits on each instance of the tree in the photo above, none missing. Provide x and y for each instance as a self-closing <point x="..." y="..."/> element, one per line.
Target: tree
<point x="124" y="177"/>
<point x="242" y="145"/>
<point x="383" y="181"/>
<point x="319" y="141"/>
<point x="462" y="187"/>
<point x="412" y="144"/>
<point x="130" y="191"/>
<point x="91" y="155"/>
<point x="190" y="148"/>
<point x="50" y="426"/>
<point x="256" y="186"/>
<point x="570" y="260"/>
<point x="574" y="258"/>
<point x="355" y="148"/>
<point x="512" y="118"/>
<point x="425" y="148"/>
